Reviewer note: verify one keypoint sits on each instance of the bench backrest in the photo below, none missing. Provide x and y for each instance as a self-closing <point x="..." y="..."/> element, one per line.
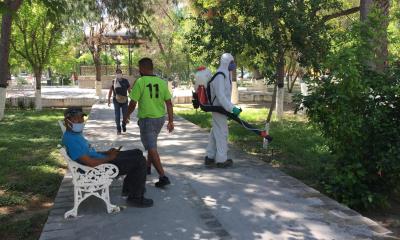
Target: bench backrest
<point x="62" y="126"/>
<point x="72" y="165"/>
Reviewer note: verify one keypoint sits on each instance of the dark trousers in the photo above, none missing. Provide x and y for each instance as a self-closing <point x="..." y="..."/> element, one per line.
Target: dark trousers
<point x="132" y="163"/>
<point x="117" y="109"/>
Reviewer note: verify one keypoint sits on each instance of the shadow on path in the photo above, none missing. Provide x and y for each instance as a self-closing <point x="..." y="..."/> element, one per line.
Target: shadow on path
<point x="249" y="201"/>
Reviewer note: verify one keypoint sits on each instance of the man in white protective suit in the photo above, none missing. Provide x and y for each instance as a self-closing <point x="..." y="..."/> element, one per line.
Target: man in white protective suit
<point x="221" y="88"/>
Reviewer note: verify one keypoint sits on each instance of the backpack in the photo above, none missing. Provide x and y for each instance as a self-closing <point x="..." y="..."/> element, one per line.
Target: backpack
<point x="202" y="96"/>
<point x="209" y="87"/>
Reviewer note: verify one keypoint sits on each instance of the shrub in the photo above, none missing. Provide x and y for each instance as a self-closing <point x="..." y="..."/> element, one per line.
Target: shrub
<point x="357" y="110"/>
<point x="358" y="113"/>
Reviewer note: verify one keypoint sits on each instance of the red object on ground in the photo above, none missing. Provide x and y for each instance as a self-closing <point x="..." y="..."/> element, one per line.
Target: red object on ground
<point x="202" y="95"/>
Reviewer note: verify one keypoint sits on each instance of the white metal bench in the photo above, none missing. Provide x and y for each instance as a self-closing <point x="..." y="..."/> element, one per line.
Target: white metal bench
<point x="62" y="126"/>
<point x="90" y="181"/>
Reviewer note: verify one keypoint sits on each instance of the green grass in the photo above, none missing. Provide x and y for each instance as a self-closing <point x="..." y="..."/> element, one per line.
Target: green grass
<point x="299" y="149"/>
<point x="30" y="170"/>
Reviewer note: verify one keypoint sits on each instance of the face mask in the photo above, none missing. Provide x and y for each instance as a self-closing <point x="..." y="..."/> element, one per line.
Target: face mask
<point x="232" y="66"/>
<point x="119" y="75"/>
<point x="76" y="127"/>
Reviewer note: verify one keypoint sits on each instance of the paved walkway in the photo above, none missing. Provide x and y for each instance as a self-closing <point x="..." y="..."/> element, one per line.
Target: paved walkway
<point x="248" y="201"/>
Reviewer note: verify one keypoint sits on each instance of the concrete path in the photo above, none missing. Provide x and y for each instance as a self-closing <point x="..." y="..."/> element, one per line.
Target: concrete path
<point x="249" y="201"/>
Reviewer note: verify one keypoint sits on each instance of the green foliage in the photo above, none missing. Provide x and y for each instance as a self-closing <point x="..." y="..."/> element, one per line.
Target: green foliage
<point x="261" y="31"/>
<point x="36" y="30"/>
<point x="12" y="198"/>
<point x="394" y="32"/>
<point x="85" y="59"/>
<point x="27" y="229"/>
<point x="357" y="111"/>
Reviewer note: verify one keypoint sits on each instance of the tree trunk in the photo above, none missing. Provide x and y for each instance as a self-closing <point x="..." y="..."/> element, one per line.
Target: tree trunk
<point x="280" y="79"/>
<point x="271" y="108"/>
<point x="365" y="9"/>
<point x="97" y="64"/>
<point x="293" y="81"/>
<point x="38" y="91"/>
<point x="4" y="54"/>
<point x="379" y="42"/>
<point x="5" y="48"/>
<point x="2" y="102"/>
<point x="6" y="23"/>
<point x="382" y="39"/>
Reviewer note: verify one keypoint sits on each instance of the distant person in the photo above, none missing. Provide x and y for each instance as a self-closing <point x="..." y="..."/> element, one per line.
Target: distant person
<point x="153" y="95"/>
<point x="131" y="163"/>
<point x="120" y="89"/>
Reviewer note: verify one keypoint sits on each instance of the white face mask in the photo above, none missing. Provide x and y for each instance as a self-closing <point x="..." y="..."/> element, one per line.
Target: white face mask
<point x="119" y="75"/>
<point x="76" y="127"/>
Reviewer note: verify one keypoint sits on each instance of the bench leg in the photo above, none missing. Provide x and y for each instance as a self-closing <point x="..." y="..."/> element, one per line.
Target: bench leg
<point x="77" y="200"/>
<point x="106" y="198"/>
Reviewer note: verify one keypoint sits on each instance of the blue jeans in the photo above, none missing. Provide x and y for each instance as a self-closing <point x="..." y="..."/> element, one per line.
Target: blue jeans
<point x="117" y="109"/>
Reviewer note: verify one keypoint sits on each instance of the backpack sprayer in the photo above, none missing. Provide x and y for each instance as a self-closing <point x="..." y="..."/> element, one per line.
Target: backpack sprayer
<point x="202" y="99"/>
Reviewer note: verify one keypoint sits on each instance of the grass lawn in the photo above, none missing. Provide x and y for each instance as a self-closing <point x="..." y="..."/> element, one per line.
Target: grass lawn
<point x="299" y="149"/>
<point x="30" y="171"/>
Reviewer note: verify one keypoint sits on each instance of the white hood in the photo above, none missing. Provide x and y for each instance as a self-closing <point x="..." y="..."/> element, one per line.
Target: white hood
<point x="226" y="59"/>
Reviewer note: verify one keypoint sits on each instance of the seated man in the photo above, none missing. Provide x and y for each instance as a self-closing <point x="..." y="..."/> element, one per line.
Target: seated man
<point x="131" y="163"/>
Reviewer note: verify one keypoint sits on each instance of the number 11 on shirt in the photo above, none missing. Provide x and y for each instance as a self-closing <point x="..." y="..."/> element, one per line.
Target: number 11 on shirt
<point x="151" y="90"/>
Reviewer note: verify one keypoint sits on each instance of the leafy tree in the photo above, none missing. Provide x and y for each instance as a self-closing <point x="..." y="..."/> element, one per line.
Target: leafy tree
<point x="94" y="41"/>
<point x="265" y="31"/>
<point x="37" y="30"/>
<point x="96" y="18"/>
<point x="63" y="60"/>
<point x="161" y="26"/>
<point x="9" y="9"/>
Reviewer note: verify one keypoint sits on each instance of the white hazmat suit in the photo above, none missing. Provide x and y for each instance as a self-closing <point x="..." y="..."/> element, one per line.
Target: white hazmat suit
<point x="221" y="88"/>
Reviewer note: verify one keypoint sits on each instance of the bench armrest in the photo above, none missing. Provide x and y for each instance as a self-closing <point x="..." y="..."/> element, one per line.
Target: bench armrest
<point x="84" y="175"/>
